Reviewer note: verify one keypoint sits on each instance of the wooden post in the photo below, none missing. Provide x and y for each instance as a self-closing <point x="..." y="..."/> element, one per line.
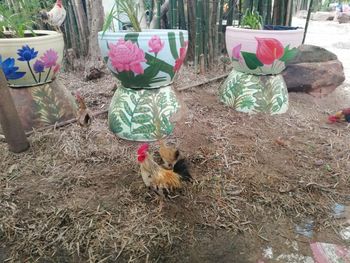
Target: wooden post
<point x="9" y="120"/>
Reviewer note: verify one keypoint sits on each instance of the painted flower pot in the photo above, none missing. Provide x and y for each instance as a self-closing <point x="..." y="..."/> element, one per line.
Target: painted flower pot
<point x="31" y="61"/>
<point x="142" y="115"/>
<point x="43" y="105"/>
<point x="252" y="93"/>
<point x="262" y="52"/>
<point x="147" y="59"/>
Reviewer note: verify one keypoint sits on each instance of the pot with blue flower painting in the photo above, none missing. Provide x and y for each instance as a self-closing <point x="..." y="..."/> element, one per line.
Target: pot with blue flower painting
<point x="31" y="60"/>
<point x="30" y="65"/>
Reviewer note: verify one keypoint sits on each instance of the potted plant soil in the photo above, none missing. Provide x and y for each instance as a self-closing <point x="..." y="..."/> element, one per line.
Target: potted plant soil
<point x="31" y="60"/>
<point x="259" y="54"/>
<point x="145" y="61"/>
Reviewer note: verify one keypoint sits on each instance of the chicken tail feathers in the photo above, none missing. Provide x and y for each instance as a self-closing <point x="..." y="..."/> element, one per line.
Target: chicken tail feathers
<point x="181" y="169"/>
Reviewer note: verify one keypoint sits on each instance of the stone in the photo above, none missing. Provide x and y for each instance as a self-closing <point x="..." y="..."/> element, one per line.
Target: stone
<point x="311" y="53"/>
<point x="323" y="16"/>
<point x="301" y="14"/>
<point x="314" y="70"/>
<point x="343" y="18"/>
<point x="316" y="78"/>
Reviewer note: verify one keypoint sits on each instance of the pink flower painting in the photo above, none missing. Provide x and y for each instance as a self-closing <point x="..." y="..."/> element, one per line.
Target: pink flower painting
<point x="268" y="50"/>
<point x="126" y="56"/>
<point x="236" y="52"/>
<point x="181" y="58"/>
<point x="155" y="44"/>
<point x="49" y="58"/>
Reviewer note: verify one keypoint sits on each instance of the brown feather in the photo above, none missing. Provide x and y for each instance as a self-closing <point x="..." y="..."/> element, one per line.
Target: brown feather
<point x="169" y="154"/>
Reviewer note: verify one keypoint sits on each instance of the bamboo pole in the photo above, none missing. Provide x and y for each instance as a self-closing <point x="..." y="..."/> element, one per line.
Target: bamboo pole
<point x="230" y="13"/>
<point x="307" y="20"/>
<point x="198" y="34"/>
<point x="9" y="120"/>
<point x="182" y="20"/>
<point x="159" y="4"/>
<point x="220" y="28"/>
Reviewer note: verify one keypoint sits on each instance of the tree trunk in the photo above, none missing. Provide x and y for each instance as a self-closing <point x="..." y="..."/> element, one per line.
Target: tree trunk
<point x="94" y="62"/>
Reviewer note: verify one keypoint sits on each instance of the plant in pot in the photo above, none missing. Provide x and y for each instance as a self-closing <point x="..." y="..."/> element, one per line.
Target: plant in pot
<point x="259" y="54"/>
<point x="145" y="61"/>
<point x="31" y="60"/>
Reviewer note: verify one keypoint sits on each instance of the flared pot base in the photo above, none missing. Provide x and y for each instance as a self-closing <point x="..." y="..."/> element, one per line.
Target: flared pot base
<point x="253" y="94"/>
<point x="142" y="115"/>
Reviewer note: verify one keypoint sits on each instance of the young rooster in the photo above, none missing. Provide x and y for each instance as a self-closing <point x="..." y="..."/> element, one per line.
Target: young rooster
<point x="169" y="154"/>
<point x="84" y="115"/>
<point x="340" y="116"/>
<point x="161" y="180"/>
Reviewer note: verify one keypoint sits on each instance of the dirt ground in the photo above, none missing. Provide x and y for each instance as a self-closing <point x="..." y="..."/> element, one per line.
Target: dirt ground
<point x="77" y="195"/>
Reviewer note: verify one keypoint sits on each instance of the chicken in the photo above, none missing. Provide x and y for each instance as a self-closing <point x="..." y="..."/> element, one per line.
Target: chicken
<point x="84" y="115"/>
<point x="161" y="180"/>
<point x="169" y="154"/>
<point x="56" y="16"/>
<point x="340" y="116"/>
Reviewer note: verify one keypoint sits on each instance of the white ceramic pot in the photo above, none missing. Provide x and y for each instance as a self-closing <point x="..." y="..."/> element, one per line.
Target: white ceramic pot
<point x="147" y="59"/>
<point x="31" y="61"/>
<point x="262" y="52"/>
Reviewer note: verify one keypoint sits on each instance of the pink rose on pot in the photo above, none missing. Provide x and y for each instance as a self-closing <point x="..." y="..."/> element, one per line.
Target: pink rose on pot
<point x="181" y="58"/>
<point x="155" y="44"/>
<point x="126" y="56"/>
<point x="236" y="52"/>
<point x="268" y="50"/>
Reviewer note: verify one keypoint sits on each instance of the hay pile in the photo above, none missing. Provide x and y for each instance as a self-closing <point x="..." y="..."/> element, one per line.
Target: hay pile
<point x="76" y="195"/>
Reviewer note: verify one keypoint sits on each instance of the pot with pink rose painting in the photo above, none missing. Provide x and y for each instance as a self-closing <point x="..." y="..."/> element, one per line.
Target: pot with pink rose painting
<point x="146" y="64"/>
<point x="262" y="52"/>
<point x="144" y="60"/>
<point x="30" y="65"/>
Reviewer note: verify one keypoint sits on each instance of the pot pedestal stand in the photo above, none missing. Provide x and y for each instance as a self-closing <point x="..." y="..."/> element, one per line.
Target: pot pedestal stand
<point x="255" y="93"/>
<point x="142" y="114"/>
<point x="42" y="105"/>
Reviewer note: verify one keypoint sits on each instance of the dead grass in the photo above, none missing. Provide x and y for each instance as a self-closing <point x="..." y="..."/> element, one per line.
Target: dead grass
<point x="76" y="195"/>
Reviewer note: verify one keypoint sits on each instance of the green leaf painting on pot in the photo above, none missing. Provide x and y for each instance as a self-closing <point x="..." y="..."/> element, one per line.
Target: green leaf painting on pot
<point x="253" y="94"/>
<point x="142" y="115"/>
<point x="148" y="59"/>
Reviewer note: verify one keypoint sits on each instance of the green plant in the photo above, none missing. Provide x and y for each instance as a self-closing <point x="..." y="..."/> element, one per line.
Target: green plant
<point x="252" y="19"/>
<point x="127" y="7"/>
<point x="17" y="17"/>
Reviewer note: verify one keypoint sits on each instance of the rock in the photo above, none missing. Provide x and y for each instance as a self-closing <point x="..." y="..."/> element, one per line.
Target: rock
<point x="316" y="78"/>
<point x="301" y="14"/>
<point x="310" y="54"/>
<point x="314" y="70"/>
<point x="323" y="16"/>
<point x="343" y="18"/>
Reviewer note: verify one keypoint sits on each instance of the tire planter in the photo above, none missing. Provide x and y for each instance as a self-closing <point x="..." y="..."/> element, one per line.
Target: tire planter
<point x="146" y="64"/>
<point x="31" y="65"/>
<point x="144" y="114"/>
<point x="31" y="61"/>
<point x="262" y="52"/>
<point x="255" y="94"/>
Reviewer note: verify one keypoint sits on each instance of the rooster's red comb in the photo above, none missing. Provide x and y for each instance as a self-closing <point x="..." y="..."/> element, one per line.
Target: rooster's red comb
<point x="332" y="118"/>
<point x="143" y="148"/>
